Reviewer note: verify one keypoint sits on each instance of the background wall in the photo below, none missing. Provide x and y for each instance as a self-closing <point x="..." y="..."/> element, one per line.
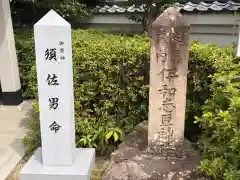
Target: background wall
<point x="219" y="28"/>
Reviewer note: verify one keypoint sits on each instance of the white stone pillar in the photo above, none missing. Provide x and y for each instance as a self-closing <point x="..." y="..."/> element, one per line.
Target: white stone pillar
<point x="9" y="73"/>
<point x="53" y="47"/>
<point x="58" y="158"/>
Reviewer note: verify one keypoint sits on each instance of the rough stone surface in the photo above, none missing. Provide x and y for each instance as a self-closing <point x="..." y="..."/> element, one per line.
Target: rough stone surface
<point x="169" y="36"/>
<point x="134" y="160"/>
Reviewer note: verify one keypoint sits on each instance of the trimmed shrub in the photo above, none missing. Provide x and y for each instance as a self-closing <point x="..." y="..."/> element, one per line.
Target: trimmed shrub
<point x="111" y="84"/>
<point x="220" y="140"/>
<point x="111" y="94"/>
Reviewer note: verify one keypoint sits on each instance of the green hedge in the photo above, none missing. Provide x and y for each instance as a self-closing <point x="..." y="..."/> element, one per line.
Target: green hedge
<point x="220" y="140"/>
<point x="111" y="73"/>
<point x="109" y="84"/>
<point x="111" y="92"/>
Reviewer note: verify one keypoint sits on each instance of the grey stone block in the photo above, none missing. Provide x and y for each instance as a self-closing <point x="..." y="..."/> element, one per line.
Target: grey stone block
<point x="80" y="170"/>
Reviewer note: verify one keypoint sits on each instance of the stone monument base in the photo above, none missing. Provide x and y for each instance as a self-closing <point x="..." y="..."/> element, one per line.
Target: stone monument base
<point x="80" y="170"/>
<point x="136" y="160"/>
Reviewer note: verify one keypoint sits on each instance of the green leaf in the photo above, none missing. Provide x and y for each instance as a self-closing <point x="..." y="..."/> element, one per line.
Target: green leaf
<point x="84" y="142"/>
<point x="109" y="135"/>
<point x="115" y="135"/>
<point x="81" y="140"/>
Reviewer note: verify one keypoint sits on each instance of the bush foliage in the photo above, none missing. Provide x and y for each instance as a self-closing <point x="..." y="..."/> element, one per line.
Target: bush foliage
<point x="110" y="91"/>
<point x="220" y="140"/>
<point x="111" y="94"/>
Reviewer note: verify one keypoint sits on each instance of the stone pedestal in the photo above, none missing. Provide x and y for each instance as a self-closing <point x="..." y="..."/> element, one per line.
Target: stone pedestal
<point x="136" y="160"/>
<point x="81" y="169"/>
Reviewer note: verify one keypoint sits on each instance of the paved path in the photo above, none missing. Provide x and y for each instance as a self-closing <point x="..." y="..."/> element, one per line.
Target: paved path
<point x="13" y="126"/>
